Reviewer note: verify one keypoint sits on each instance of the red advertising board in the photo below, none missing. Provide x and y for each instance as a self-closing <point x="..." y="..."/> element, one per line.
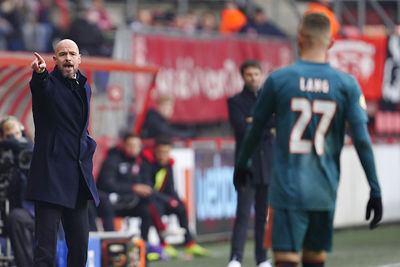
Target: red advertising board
<point x="364" y="58"/>
<point x="201" y="72"/>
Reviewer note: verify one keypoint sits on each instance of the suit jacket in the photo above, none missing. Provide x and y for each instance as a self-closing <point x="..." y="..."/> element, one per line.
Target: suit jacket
<point x="63" y="149"/>
<point x="239" y="109"/>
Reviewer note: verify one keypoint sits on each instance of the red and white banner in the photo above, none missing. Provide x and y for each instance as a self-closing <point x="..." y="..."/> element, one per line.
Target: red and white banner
<point x="364" y="58"/>
<point x="200" y="73"/>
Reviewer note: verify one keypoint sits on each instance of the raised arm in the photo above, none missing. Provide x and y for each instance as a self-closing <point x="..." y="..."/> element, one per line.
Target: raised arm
<point x="38" y="64"/>
<point x="38" y="82"/>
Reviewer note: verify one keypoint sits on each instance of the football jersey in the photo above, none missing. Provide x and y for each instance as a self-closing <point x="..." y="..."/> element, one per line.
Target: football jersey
<point x="312" y="102"/>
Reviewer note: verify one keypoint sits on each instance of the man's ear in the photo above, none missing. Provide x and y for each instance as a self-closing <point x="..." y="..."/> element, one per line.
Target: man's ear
<point x="300" y="41"/>
<point x="54" y="58"/>
<point x="331" y="43"/>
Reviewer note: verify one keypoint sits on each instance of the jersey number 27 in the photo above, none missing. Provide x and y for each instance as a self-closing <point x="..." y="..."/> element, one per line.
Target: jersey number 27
<point x="307" y="108"/>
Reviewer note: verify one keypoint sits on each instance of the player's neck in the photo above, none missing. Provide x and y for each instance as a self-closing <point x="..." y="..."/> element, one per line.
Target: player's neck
<point x="314" y="55"/>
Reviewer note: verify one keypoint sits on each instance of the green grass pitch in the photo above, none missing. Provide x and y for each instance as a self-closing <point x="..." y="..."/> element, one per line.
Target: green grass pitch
<point x="352" y="247"/>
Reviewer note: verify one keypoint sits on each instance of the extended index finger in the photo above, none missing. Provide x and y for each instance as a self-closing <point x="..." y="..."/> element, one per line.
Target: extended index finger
<point x="39" y="58"/>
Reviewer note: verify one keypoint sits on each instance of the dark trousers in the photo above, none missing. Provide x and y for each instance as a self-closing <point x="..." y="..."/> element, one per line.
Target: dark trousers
<point x="108" y="211"/>
<point x="76" y="229"/>
<point x="21" y="226"/>
<point x="105" y="211"/>
<point x="257" y="194"/>
<point x="140" y="210"/>
<point x="163" y="207"/>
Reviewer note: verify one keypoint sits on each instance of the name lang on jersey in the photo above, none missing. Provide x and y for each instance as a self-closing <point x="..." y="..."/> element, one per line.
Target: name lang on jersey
<point x="314" y="85"/>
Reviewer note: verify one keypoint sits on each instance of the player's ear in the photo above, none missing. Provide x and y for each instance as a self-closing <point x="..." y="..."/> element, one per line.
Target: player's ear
<point x="300" y="41"/>
<point x="54" y="58"/>
<point x="331" y="42"/>
<point x="79" y="58"/>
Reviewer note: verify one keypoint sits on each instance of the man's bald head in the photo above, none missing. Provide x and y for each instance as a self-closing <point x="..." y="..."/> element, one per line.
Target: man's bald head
<point x="67" y="58"/>
<point x="66" y="43"/>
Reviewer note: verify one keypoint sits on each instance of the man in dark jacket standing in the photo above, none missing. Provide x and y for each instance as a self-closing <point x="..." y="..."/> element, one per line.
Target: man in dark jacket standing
<point x="239" y="107"/>
<point x="60" y="179"/>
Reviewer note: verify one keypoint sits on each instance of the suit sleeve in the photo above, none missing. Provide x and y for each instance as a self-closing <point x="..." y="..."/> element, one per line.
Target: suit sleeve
<point x="261" y="114"/>
<point x="237" y="118"/>
<point x="39" y="84"/>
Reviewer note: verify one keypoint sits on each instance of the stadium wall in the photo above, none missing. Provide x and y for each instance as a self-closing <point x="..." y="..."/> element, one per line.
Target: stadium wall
<point x="211" y="198"/>
<point x="353" y="190"/>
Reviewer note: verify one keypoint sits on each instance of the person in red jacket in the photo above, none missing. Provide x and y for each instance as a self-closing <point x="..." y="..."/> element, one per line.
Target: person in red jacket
<point x="158" y="166"/>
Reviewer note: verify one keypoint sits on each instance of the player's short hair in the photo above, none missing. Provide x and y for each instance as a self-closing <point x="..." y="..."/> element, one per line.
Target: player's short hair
<point x="315" y="28"/>
<point x="128" y="136"/>
<point x="162" y="140"/>
<point x="249" y="63"/>
<point x="164" y="99"/>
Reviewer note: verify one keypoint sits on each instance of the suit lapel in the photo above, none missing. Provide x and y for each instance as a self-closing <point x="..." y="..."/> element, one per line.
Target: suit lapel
<point x="83" y="86"/>
<point x="87" y="91"/>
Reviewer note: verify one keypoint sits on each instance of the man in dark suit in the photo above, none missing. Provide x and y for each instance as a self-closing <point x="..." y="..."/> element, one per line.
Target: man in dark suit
<point x="60" y="179"/>
<point x="239" y="107"/>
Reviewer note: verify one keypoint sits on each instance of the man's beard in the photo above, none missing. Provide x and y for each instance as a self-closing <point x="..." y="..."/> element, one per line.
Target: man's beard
<point x="67" y="73"/>
<point x="70" y="75"/>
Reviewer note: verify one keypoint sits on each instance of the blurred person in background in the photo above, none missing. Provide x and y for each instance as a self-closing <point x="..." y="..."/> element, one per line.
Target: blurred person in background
<point x="121" y="179"/>
<point x="13" y="12"/>
<point x="143" y="21"/>
<point x="86" y="33"/>
<point x="36" y="36"/>
<point x="259" y="25"/>
<point x="324" y="7"/>
<point x="207" y="23"/>
<point x="38" y="31"/>
<point x="157" y="121"/>
<point x="5" y="30"/>
<point x="158" y="169"/>
<point x="20" y="221"/>
<point x="255" y="192"/>
<point x="186" y="23"/>
<point x="99" y="15"/>
<point x="232" y="19"/>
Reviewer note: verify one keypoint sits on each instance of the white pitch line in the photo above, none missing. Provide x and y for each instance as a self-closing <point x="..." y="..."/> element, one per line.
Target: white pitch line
<point x="395" y="264"/>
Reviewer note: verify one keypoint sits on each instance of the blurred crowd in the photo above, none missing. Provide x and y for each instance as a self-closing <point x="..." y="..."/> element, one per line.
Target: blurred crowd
<point x="232" y="19"/>
<point x="34" y="25"/>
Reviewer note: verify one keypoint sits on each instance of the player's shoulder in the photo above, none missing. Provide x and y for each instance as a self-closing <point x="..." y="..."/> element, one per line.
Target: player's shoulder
<point x="283" y="72"/>
<point x="348" y="81"/>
